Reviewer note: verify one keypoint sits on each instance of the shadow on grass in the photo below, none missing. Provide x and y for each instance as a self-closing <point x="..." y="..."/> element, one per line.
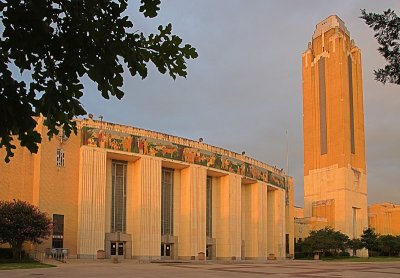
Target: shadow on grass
<point x="22" y="264"/>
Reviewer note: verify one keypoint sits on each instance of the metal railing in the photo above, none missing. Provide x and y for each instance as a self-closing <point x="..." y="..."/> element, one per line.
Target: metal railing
<point x="39" y="256"/>
<point x="59" y="254"/>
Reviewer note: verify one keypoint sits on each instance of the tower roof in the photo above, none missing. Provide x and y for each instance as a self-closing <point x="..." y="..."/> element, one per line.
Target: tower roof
<point x="328" y="23"/>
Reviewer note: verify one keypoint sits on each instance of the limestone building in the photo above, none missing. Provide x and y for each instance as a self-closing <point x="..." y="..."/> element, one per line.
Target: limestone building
<point x="384" y="218"/>
<point x="141" y="194"/>
<point x="335" y="184"/>
<point x="304" y="225"/>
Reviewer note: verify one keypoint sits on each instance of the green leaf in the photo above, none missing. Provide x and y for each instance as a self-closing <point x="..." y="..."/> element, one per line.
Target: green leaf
<point x="150" y="8"/>
<point x="60" y="44"/>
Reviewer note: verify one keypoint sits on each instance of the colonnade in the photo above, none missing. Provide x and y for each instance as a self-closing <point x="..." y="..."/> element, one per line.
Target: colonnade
<point x="248" y="216"/>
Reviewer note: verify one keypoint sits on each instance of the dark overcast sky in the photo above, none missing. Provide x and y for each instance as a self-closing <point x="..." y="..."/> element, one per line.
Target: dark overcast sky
<point x="245" y="90"/>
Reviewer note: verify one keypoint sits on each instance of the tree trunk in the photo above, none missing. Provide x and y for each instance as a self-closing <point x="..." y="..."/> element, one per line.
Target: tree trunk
<point x="16" y="248"/>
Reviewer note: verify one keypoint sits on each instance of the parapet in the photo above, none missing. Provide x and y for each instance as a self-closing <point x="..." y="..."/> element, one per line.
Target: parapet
<point x="328" y="23"/>
<point x="117" y="137"/>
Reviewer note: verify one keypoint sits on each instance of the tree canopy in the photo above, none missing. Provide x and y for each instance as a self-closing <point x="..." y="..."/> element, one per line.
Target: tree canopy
<point x="355" y="244"/>
<point x="56" y="43"/>
<point x="325" y="240"/>
<point x="370" y="240"/>
<point x="328" y="242"/>
<point x="21" y="222"/>
<point x="387" y="32"/>
<point x="389" y="244"/>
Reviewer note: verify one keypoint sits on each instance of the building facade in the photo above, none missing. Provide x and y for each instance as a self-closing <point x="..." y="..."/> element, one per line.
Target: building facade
<point x="140" y="194"/>
<point x="335" y="181"/>
<point x="384" y="218"/>
<point x="304" y="225"/>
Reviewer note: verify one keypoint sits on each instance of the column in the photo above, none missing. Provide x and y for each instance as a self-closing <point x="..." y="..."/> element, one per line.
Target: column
<point x="276" y="223"/>
<point x="91" y="202"/>
<point x="192" y="222"/>
<point x="146" y="208"/>
<point x="229" y="234"/>
<point x="271" y="221"/>
<point x="255" y="222"/>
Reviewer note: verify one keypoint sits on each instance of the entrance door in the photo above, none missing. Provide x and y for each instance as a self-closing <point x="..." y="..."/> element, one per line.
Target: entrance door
<point x="166" y="250"/>
<point x="208" y="252"/>
<point x="117" y="248"/>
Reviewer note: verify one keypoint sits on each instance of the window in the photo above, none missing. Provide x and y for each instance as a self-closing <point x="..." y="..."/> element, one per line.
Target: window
<point x="118" y="196"/>
<point x="322" y="106"/>
<point x="167" y="201"/>
<point x="58" y="231"/>
<point x="355" y="234"/>
<point x="60" y="158"/>
<point x="209" y="207"/>
<point x="351" y="102"/>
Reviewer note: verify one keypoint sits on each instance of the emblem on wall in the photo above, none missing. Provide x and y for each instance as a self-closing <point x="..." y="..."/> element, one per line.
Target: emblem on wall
<point x="61" y="137"/>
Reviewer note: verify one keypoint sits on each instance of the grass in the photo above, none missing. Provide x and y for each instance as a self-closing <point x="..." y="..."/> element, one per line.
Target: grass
<point x="12" y="264"/>
<point x="354" y="259"/>
<point x="358" y="259"/>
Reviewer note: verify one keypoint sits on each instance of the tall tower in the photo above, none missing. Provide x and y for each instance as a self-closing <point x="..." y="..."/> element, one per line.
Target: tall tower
<point x="335" y="184"/>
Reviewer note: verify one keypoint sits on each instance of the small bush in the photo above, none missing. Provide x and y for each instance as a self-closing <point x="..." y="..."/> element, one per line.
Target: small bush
<point x="344" y="254"/>
<point x="301" y="255"/>
<point x="6" y="253"/>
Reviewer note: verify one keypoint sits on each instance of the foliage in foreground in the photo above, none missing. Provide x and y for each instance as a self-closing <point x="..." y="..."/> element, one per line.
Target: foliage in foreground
<point x="48" y="47"/>
<point x="387" y="32"/>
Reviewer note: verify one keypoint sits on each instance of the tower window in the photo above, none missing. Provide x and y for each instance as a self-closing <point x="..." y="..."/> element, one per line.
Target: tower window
<point x="60" y="158"/>
<point x="355" y="228"/>
<point x="322" y="106"/>
<point x="350" y="69"/>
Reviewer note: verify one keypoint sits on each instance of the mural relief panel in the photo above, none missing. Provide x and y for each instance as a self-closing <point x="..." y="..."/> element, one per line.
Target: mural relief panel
<point x="114" y="140"/>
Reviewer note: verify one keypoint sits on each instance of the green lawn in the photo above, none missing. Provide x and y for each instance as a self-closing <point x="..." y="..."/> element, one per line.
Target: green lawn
<point x="5" y="265"/>
<point x="357" y="259"/>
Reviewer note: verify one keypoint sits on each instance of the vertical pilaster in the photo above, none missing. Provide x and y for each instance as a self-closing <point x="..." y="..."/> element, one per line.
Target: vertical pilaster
<point x="146" y="208"/>
<point x="91" y="202"/>
<point x="255" y="221"/>
<point x="228" y="235"/>
<point x="271" y="221"/>
<point x="276" y="222"/>
<point x="192" y="228"/>
<point x="279" y="226"/>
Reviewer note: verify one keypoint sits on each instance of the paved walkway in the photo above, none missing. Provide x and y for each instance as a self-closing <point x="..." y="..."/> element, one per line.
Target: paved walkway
<point x="128" y="268"/>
